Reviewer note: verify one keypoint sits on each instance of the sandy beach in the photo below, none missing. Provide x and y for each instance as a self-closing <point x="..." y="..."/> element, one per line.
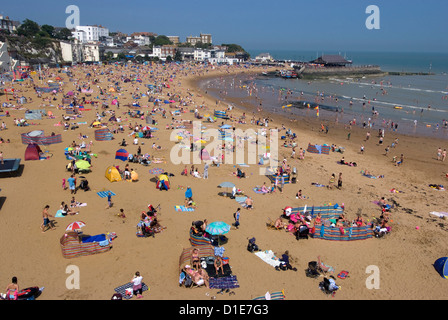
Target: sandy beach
<point x="404" y="257"/>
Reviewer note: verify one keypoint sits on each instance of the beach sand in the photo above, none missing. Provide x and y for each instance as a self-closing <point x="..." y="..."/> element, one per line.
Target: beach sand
<point x="404" y="258"/>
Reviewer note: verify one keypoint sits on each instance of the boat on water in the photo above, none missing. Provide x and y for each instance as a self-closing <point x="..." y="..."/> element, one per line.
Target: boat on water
<point x="288" y="74"/>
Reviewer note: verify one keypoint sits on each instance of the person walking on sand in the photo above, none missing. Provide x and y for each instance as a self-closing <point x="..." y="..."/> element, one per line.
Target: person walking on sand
<point x="205" y="171"/>
<point x="443" y="154"/>
<point x="72" y="184"/>
<point x="46" y="217"/>
<point x="439" y="154"/>
<point x="109" y="200"/>
<point x="236" y="216"/>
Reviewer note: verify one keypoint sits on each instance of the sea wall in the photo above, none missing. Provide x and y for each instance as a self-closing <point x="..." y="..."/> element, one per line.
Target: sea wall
<point x="345" y="71"/>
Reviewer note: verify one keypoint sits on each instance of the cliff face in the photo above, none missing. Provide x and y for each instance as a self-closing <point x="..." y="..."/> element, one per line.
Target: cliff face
<point x="34" y="50"/>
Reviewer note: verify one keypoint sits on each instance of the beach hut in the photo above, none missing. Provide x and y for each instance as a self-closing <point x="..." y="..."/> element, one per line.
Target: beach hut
<point x="32" y="152"/>
<point x="122" y="154"/>
<point x="163" y="180"/>
<point x="441" y="266"/>
<point x="73" y="246"/>
<point x="112" y="174"/>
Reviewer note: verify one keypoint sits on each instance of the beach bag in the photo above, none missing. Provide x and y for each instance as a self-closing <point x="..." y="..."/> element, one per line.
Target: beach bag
<point x="343" y="275"/>
<point x="252" y="246"/>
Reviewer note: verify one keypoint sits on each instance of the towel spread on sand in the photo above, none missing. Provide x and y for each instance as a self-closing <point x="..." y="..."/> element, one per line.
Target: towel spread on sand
<point x="439" y="214"/>
<point x="183" y="208"/>
<point x="241" y="201"/>
<point x="268" y="257"/>
<point x="122" y="289"/>
<point x="229" y="282"/>
<point x="103" y="194"/>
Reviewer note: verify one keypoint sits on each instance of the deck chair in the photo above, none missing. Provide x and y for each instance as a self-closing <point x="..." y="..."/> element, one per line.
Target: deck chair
<point x="323" y="267"/>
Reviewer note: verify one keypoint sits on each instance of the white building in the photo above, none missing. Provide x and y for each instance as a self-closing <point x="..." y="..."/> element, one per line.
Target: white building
<point x="90" y="52"/>
<point x="201" y="54"/>
<point x="264" y="57"/>
<point x="8" y="24"/>
<point x="90" y="33"/>
<point x="140" y="40"/>
<point x="77" y="51"/>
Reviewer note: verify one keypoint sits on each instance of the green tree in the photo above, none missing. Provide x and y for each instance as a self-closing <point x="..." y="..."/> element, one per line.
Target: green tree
<point x="169" y="59"/>
<point x="28" y="28"/>
<point x="63" y="34"/>
<point x="108" y="56"/>
<point x="49" y="30"/>
<point x="161" y="41"/>
<point x="178" y="56"/>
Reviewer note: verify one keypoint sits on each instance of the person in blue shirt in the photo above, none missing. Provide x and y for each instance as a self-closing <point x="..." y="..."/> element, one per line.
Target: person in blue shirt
<point x="109" y="200"/>
<point x="72" y="184"/>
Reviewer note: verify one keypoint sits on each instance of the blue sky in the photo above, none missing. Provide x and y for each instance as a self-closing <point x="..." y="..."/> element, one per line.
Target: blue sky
<point x="323" y="25"/>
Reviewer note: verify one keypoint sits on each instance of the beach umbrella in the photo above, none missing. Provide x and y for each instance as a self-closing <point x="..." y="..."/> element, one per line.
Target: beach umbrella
<point x="227" y="185"/>
<point x="82" y="164"/>
<point x="226" y="126"/>
<point x="217" y="228"/>
<point x="75" y="226"/>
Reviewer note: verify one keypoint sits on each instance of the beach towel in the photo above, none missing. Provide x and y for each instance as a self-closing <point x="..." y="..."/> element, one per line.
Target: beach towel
<point x="241" y="201"/>
<point x="122" y="289"/>
<point x="268" y="257"/>
<point x="439" y="214"/>
<point x="156" y="171"/>
<point x="103" y="194"/>
<point x="229" y="282"/>
<point x="183" y="209"/>
<point x="276" y="295"/>
<point x="317" y="184"/>
<point x="59" y="214"/>
<point x="97" y="238"/>
<point x="258" y="190"/>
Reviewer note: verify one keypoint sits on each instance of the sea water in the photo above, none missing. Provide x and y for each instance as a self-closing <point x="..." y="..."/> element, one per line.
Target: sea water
<point x="416" y="104"/>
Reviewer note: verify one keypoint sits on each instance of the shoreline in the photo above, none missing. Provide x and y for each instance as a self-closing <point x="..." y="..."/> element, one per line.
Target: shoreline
<point x="336" y="117"/>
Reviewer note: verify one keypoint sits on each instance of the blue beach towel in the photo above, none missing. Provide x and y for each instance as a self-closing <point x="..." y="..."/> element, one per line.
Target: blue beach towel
<point x="97" y="238"/>
<point x="103" y="194"/>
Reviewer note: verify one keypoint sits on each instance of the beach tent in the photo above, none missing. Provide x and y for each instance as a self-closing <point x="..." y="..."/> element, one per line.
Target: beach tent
<point x="441" y="266"/>
<point x="32" y="152"/>
<point x="318" y="149"/>
<point x="72" y="246"/>
<point x="112" y="174"/>
<point x="163" y="180"/>
<point x="122" y="154"/>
